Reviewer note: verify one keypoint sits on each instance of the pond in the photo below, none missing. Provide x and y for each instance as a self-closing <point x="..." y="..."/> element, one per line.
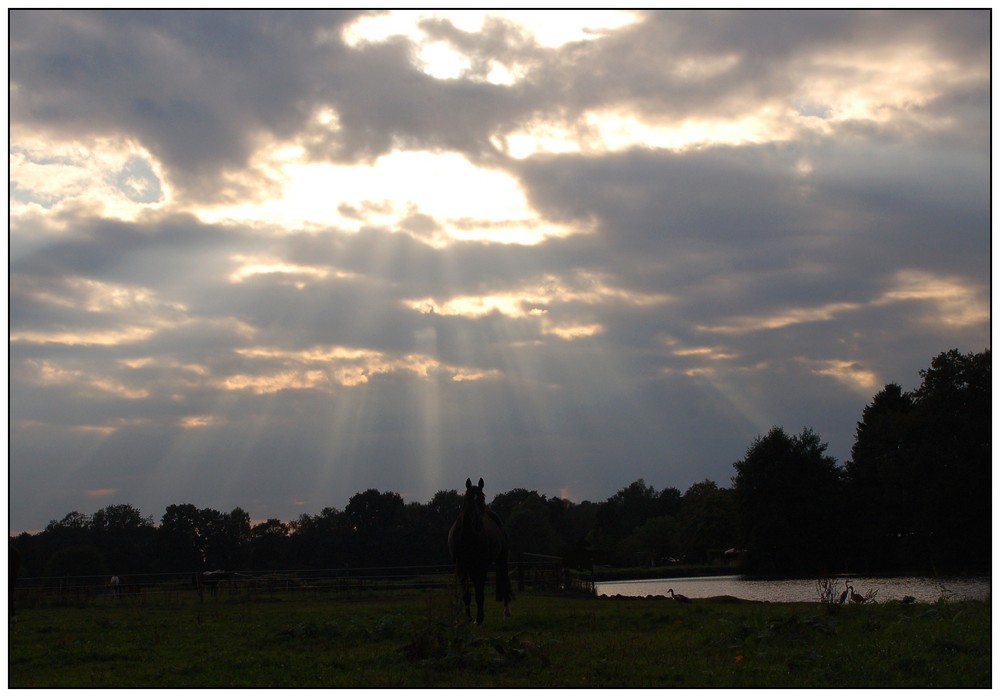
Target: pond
<point x="924" y="589"/>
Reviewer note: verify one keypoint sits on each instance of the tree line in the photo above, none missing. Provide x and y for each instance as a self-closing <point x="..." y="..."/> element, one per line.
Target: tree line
<point x="915" y="496"/>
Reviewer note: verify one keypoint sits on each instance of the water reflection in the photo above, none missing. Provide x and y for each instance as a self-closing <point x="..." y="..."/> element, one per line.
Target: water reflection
<point x="924" y="589"/>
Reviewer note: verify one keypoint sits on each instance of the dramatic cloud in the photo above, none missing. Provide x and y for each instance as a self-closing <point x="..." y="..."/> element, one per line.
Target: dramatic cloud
<point x="272" y="259"/>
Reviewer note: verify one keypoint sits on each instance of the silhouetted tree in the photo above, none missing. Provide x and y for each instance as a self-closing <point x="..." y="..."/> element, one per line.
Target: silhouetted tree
<point x="376" y="521"/>
<point x="920" y="474"/>
<point x="75" y="526"/>
<point x="226" y="537"/>
<point x="788" y="493"/>
<point x="124" y="537"/>
<point x="81" y="560"/>
<point x="444" y="507"/>
<point x="706" y="521"/>
<point x="37" y="550"/>
<point x="529" y="528"/>
<point x="953" y="456"/>
<point x="574" y="522"/>
<point x="627" y="509"/>
<point x="203" y="539"/>
<point x="423" y="537"/>
<point x="269" y="545"/>
<point x="668" y="502"/>
<point x="503" y="504"/>
<point x="653" y="542"/>
<point x="883" y="487"/>
<point x="321" y="541"/>
<point x="372" y="510"/>
<point x="180" y="546"/>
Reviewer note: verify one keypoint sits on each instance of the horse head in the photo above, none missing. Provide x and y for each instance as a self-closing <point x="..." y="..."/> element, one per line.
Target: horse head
<point x="474" y="504"/>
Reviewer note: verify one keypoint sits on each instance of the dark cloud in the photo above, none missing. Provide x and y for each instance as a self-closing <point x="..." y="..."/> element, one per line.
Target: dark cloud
<point x="196" y="88"/>
<point x="708" y="293"/>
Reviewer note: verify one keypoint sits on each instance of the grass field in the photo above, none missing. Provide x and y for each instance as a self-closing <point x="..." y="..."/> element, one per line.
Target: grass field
<point x="415" y="639"/>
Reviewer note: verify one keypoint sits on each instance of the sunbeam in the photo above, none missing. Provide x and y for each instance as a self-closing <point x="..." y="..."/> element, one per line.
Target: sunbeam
<point x="272" y="260"/>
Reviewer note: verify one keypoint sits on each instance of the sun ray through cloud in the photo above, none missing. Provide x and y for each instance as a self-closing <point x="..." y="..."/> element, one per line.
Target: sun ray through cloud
<point x="275" y="259"/>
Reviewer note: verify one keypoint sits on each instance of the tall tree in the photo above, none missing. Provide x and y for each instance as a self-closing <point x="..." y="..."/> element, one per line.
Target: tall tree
<point x="653" y="542"/>
<point x="529" y="528"/>
<point x="883" y="486"/>
<point x="321" y="541"/>
<point x="707" y="521"/>
<point x="72" y="531"/>
<point x="787" y="495"/>
<point x="952" y="457"/>
<point x="179" y="539"/>
<point x="920" y="469"/>
<point x="125" y="537"/>
<point x="376" y="524"/>
<point x="504" y="503"/>
<point x="427" y="527"/>
<point x="226" y="537"/>
<point x="269" y="545"/>
<point x="372" y="510"/>
<point x="628" y="509"/>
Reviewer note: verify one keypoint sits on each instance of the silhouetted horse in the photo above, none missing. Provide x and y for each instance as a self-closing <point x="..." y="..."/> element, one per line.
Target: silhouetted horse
<point x="475" y="541"/>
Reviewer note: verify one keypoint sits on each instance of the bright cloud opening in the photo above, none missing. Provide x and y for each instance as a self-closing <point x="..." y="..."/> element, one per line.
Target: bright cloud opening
<point x="613" y="130"/>
<point x="535" y="300"/>
<point x="953" y="303"/>
<point x="139" y="313"/>
<point x="782" y="318"/>
<point x="445" y="61"/>
<point x="452" y="198"/>
<point x="327" y="367"/>
<point x="832" y="89"/>
<point x="113" y="176"/>
<point x="849" y="373"/>
<point x="880" y="84"/>
<point x="298" y="274"/>
<point x="52" y="373"/>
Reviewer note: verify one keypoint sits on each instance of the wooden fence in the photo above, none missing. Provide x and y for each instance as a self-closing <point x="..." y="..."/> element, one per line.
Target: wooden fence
<point x="527" y="571"/>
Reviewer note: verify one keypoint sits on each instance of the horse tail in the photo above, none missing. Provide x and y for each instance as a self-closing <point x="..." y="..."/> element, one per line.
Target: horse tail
<point x="504" y="592"/>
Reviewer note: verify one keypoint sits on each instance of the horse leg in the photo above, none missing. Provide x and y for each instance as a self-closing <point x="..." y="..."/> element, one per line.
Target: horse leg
<point x="467" y="597"/>
<point x="504" y="592"/>
<point x="480" y="596"/>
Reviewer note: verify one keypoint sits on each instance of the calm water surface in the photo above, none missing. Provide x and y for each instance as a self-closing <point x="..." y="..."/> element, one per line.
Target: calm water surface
<point x="925" y="590"/>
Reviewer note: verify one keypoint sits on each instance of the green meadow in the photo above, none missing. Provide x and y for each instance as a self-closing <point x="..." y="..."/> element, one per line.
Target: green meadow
<point x="417" y="638"/>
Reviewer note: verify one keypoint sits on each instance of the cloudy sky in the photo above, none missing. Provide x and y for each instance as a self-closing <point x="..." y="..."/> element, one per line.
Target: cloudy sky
<point x="270" y="260"/>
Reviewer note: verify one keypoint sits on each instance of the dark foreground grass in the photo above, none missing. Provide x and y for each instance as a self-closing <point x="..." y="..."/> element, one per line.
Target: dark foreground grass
<point x="414" y="639"/>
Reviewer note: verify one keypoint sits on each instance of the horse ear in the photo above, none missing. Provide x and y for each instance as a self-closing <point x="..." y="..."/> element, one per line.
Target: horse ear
<point x="468" y="483"/>
<point x="480" y="482"/>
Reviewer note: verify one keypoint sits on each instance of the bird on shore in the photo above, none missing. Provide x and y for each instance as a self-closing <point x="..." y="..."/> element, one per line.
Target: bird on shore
<point x="678" y="597"/>
<point x="843" y="596"/>
<point x="856" y="597"/>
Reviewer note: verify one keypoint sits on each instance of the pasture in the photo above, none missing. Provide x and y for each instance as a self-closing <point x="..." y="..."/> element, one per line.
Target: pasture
<point x="415" y="637"/>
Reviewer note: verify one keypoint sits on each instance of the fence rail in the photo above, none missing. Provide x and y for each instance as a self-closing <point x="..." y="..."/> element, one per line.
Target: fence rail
<point x="527" y="571"/>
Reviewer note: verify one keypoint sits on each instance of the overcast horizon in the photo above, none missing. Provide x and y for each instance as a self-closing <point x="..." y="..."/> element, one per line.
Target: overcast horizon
<point x="274" y="259"/>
